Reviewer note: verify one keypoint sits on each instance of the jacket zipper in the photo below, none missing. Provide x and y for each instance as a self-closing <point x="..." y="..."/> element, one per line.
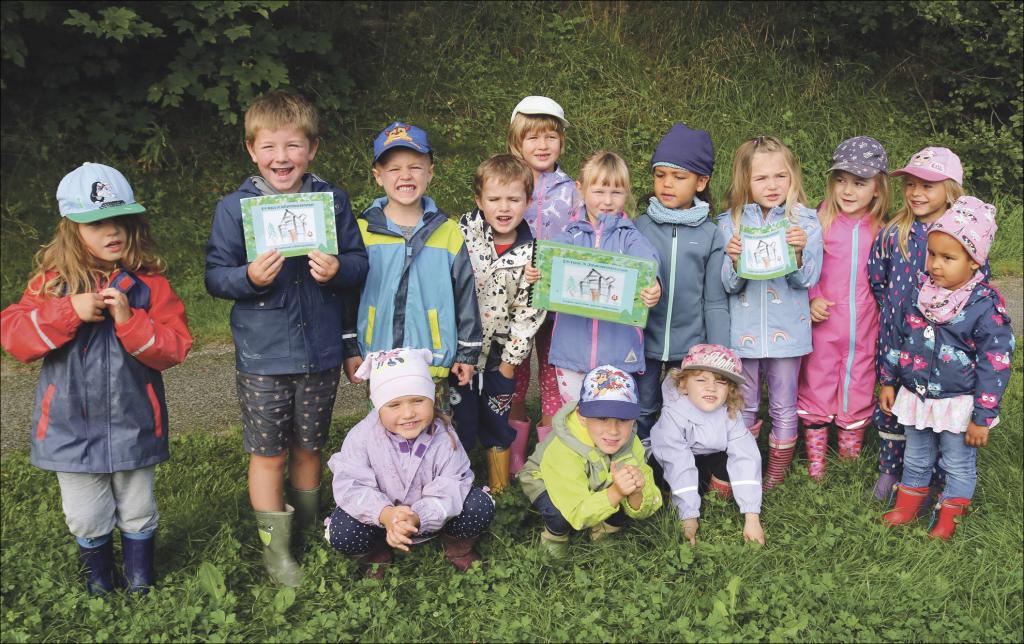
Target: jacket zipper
<point x="671" y="295"/>
<point x="853" y="316"/>
<point x="593" y="323"/>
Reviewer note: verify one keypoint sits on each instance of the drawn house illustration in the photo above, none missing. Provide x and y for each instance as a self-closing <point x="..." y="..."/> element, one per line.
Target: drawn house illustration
<point x="293" y="225"/>
<point x="766" y="253"/>
<point x="596" y="284"/>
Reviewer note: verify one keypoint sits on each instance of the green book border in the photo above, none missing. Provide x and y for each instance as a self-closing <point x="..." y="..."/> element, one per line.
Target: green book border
<point x="540" y="297"/>
<point x="765" y="230"/>
<point x="250" y="204"/>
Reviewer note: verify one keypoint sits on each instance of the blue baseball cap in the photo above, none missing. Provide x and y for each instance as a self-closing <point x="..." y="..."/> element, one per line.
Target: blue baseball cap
<point x="94" y="191"/>
<point x="400" y="135"/>
<point x="609" y="392"/>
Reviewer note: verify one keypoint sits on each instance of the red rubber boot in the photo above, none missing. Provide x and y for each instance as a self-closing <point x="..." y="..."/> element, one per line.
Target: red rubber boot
<point x="780" y="455"/>
<point x="721" y="488"/>
<point x="947" y="520"/>
<point x="908" y="502"/>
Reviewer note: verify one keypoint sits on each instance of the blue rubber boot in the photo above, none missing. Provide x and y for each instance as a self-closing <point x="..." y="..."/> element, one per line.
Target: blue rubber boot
<point x="138" y="562"/>
<point x="98" y="561"/>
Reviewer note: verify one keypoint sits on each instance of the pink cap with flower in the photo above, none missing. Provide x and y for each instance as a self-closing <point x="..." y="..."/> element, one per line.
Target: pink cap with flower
<point x="933" y="164"/>
<point x="716" y="359"/>
<point x="972" y="222"/>
<point x="397" y="372"/>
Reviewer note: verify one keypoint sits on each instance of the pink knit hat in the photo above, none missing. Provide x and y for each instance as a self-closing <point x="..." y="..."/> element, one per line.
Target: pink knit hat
<point x="397" y="372"/>
<point x="972" y="222"/>
<point x="933" y="164"/>
<point x="716" y="359"/>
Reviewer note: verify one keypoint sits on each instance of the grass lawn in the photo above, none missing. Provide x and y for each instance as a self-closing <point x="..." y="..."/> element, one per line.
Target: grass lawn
<point x="830" y="570"/>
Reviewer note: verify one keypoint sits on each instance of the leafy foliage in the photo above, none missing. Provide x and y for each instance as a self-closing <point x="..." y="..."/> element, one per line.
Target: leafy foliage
<point x="961" y="60"/>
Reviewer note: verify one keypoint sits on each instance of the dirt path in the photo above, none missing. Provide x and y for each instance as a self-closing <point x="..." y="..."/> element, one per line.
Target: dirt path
<point x="201" y="392"/>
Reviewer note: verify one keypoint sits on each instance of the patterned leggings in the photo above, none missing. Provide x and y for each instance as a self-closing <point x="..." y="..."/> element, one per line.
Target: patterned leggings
<point x="352" y="537"/>
<point x="550" y="401"/>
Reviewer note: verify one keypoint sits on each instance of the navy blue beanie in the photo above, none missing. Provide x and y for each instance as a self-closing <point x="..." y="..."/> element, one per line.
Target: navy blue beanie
<point x="686" y="148"/>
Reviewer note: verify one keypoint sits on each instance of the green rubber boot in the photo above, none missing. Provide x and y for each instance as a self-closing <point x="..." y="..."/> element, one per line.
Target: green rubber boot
<point x="306" y="504"/>
<point x="275" y="530"/>
<point x="554" y="547"/>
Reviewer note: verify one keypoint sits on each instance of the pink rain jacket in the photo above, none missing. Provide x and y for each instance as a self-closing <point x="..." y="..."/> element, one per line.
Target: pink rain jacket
<point x="837" y="379"/>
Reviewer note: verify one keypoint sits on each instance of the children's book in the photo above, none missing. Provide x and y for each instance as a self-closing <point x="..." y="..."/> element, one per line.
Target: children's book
<point x="766" y="254"/>
<point x="294" y="224"/>
<point x="591" y="283"/>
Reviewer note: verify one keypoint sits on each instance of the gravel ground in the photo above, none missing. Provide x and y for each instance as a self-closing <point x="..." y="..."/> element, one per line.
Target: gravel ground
<point x="201" y="392"/>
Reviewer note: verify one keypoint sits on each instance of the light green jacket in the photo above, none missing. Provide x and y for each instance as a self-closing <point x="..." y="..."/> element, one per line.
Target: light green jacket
<point x="576" y="474"/>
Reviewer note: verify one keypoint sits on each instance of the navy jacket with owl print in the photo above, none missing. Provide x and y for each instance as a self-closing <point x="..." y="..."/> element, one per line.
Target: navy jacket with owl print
<point x="970" y="354"/>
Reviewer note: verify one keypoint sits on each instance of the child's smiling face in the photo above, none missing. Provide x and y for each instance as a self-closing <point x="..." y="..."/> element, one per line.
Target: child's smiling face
<point x="407" y="416"/>
<point x="949" y="265"/>
<point x="853" y="194"/>
<point x="601" y="198"/>
<point x="503" y="206"/>
<point x="676" y="188"/>
<point x="705" y="389"/>
<point x="541" y="149"/>
<point x="608" y="434"/>
<point x="282" y="156"/>
<point x="404" y="174"/>
<point x="927" y="199"/>
<point x="770" y="179"/>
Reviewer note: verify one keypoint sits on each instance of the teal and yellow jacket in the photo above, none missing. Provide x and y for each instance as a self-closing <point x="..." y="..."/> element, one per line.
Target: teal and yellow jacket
<point x="418" y="293"/>
<point x="576" y="474"/>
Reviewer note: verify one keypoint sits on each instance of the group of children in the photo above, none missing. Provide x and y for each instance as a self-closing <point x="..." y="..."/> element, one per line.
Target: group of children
<point x="435" y="314"/>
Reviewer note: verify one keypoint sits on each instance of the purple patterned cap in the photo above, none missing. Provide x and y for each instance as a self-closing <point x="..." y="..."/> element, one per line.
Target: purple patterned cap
<point x="609" y="392"/>
<point x="934" y="164"/>
<point x="862" y="156"/>
<point x="972" y="222"/>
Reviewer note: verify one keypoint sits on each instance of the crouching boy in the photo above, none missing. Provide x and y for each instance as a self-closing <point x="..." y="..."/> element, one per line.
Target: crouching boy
<point x="590" y="471"/>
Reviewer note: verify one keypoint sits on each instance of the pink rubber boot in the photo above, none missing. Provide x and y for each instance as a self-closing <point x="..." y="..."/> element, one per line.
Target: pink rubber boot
<point x="517" y="451"/>
<point x="542" y="433"/>
<point x="850" y="442"/>
<point x="816" y="442"/>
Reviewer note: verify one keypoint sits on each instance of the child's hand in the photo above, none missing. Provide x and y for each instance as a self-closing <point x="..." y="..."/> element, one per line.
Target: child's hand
<point x="690" y="527"/>
<point x="265" y="268"/>
<point x="464" y="372"/>
<point x="797" y="238"/>
<point x="401" y="523"/>
<point x="351" y="366"/>
<point x="734" y="248"/>
<point x="651" y="294"/>
<point x="117" y="303"/>
<point x="624" y="479"/>
<point x="507" y="369"/>
<point x="977" y="436"/>
<point x="819" y="309"/>
<point x="88" y="306"/>
<point x="752" y="530"/>
<point x="322" y="266"/>
<point x="532" y="274"/>
<point x="886" y="398"/>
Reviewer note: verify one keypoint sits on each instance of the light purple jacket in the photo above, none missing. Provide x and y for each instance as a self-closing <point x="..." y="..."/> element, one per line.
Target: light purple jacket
<point x="683" y="431"/>
<point x="554" y="204"/>
<point x="376" y="468"/>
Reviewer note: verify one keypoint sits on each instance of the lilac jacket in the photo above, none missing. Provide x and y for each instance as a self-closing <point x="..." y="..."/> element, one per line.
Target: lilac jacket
<point x="376" y="468"/>
<point x="683" y="431"/>
<point x="554" y="204"/>
<point x="579" y="343"/>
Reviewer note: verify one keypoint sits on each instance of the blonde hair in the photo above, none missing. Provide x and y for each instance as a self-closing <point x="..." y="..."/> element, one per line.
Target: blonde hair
<point x="505" y="169"/>
<point x="902" y="221"/>
<point x="277" y="109"/>
<point x="608" y="169"/>
<point x="524" y="124"/>
<point x="75" y="268"/>
<point x="733" y="398"/>
<point x="738" y="193"/>
<point x="878" y="207"/>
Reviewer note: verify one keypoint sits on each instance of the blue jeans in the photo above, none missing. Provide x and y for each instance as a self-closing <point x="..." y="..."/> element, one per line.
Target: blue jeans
<point x="957" y="460"/>
<point x="648" y="389"/>
<point x="556" y="523"/>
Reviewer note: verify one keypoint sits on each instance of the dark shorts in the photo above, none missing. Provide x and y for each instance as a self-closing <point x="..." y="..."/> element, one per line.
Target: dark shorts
<point x="288" y="410"/>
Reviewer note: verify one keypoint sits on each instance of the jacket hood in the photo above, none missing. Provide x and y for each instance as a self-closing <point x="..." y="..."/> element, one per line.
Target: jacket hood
<point x="249" y="184"/>
<point x="560" y="425"/>
<point x="608" y="223"/>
